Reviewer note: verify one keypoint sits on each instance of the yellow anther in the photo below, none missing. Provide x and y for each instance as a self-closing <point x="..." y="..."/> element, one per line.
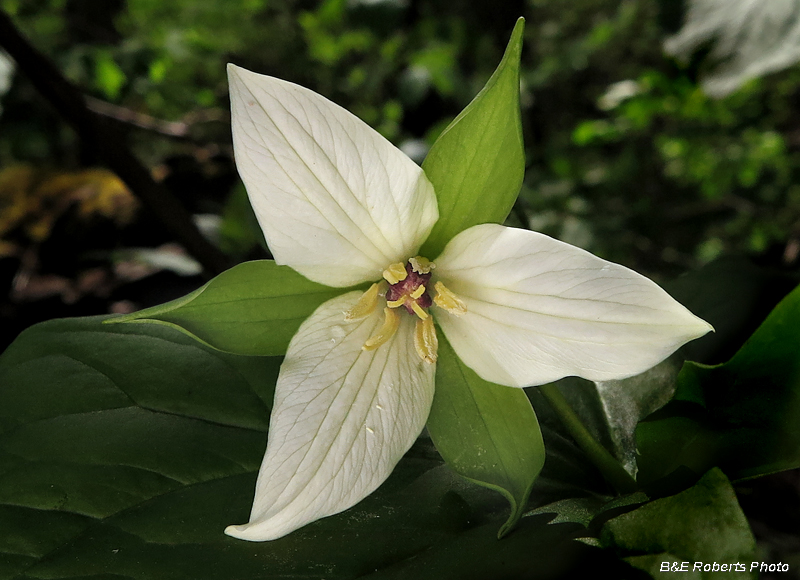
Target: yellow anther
<point x="425" y="340"/>
<point x="421" y="265"/>
<point x="418" y="292"/>
<point x="395" y="273"/>
<point x="396" y="303"/>
<point x="418" y="310"/>
<point x="366" y="304"/>
<point x="385" y="332"/>
<point x="447" y="300"/>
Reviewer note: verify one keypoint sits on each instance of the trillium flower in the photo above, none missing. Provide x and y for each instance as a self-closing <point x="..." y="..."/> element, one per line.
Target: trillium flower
<point x="342" y="206"/>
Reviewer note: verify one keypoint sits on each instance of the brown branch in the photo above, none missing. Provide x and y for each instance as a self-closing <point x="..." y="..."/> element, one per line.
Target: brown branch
<point x="137" y="119"/>
<point x="109" y="141"/>
<point x="181" y="130"/>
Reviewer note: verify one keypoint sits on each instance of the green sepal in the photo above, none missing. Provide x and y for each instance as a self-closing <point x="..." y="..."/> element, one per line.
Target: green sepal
<point x="254" y="308"/>
<point x="485" y="432"/>
<point x="477" y="164"/>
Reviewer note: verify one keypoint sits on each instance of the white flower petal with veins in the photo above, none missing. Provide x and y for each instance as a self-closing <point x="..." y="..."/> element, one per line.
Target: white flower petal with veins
<point x="342" y="419"/>
<point x="539" y="310"/>
<point x="337" y="202"/>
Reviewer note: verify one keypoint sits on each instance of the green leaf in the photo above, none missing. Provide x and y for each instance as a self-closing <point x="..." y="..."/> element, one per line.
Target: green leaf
<point x="254" y="308"/>
<point x="583" y="510"/>
<point x="485" y="432"/>
<point x="73" y="367"/>
<point x="743" y="415"/>
<point x="109" y="78"/>
<point x="98" y="419"/>
<point x="568" y="472"/>
<point x="125" y="450"/>
<point x="625" y="402"/>
<point x="477" y="164"/>
<point x="702" y="524"/>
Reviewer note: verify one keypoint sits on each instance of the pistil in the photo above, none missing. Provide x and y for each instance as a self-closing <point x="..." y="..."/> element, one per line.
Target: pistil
<point x="410" y="290"/>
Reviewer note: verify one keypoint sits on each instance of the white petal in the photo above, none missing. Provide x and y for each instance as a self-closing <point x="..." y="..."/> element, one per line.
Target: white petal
<point x="337" y="202"/>
<point x="539" y="310"/>
<point x="342" y="419"/>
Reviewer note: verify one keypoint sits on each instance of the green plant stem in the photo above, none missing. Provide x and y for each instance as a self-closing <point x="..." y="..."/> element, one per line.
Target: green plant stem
<point x="611" y="469"/>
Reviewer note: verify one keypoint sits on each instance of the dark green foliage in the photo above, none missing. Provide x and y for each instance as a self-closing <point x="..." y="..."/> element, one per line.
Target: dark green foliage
<point x="126" y="449"/>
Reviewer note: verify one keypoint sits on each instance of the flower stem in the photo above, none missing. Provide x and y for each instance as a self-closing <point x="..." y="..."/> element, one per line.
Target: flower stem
<point x="611" y="469"/>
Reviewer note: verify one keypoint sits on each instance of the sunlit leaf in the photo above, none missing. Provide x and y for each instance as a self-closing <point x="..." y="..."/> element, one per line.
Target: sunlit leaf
<point x="108" y="76"/>
<point x="33" y="198"/>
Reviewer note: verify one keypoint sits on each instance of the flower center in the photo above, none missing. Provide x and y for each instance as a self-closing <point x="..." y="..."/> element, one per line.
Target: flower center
<point x="407" y="285"/>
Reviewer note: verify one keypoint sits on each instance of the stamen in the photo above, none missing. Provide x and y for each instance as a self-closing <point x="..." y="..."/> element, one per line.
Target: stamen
<point x="366" y="304"/>
<point x="418" y="292"/>
<point x="418" y="310"/>
<point x="395" y="273"/>
<point x="385" y="332"/>
<point x="447" y="300"/>
<point x="396" y="303"/>
<point x="425" y="340"/>
<point x="421" y="265"/>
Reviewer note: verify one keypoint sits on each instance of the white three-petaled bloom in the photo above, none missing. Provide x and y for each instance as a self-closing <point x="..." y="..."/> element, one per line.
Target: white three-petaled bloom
<point x="342" y="206"/>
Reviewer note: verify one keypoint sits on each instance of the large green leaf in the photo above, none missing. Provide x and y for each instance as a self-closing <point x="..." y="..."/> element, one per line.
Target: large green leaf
<point x="478" y="162"/>
<point x="743" y="415"/>
<point x="485" y="432"/>
<point x="703" y="524"/>
<point x="254" y="308"/>
<point x="126" y="449"/>
<point x="97" y="421"/>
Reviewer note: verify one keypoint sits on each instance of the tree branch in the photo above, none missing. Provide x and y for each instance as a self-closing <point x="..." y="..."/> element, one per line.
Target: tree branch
<point x="110" y="143"/>
<point x="174" y="129"/>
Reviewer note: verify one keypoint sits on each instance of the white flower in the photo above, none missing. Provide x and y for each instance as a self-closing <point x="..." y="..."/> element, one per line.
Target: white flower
<point x="342" y="206"/>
